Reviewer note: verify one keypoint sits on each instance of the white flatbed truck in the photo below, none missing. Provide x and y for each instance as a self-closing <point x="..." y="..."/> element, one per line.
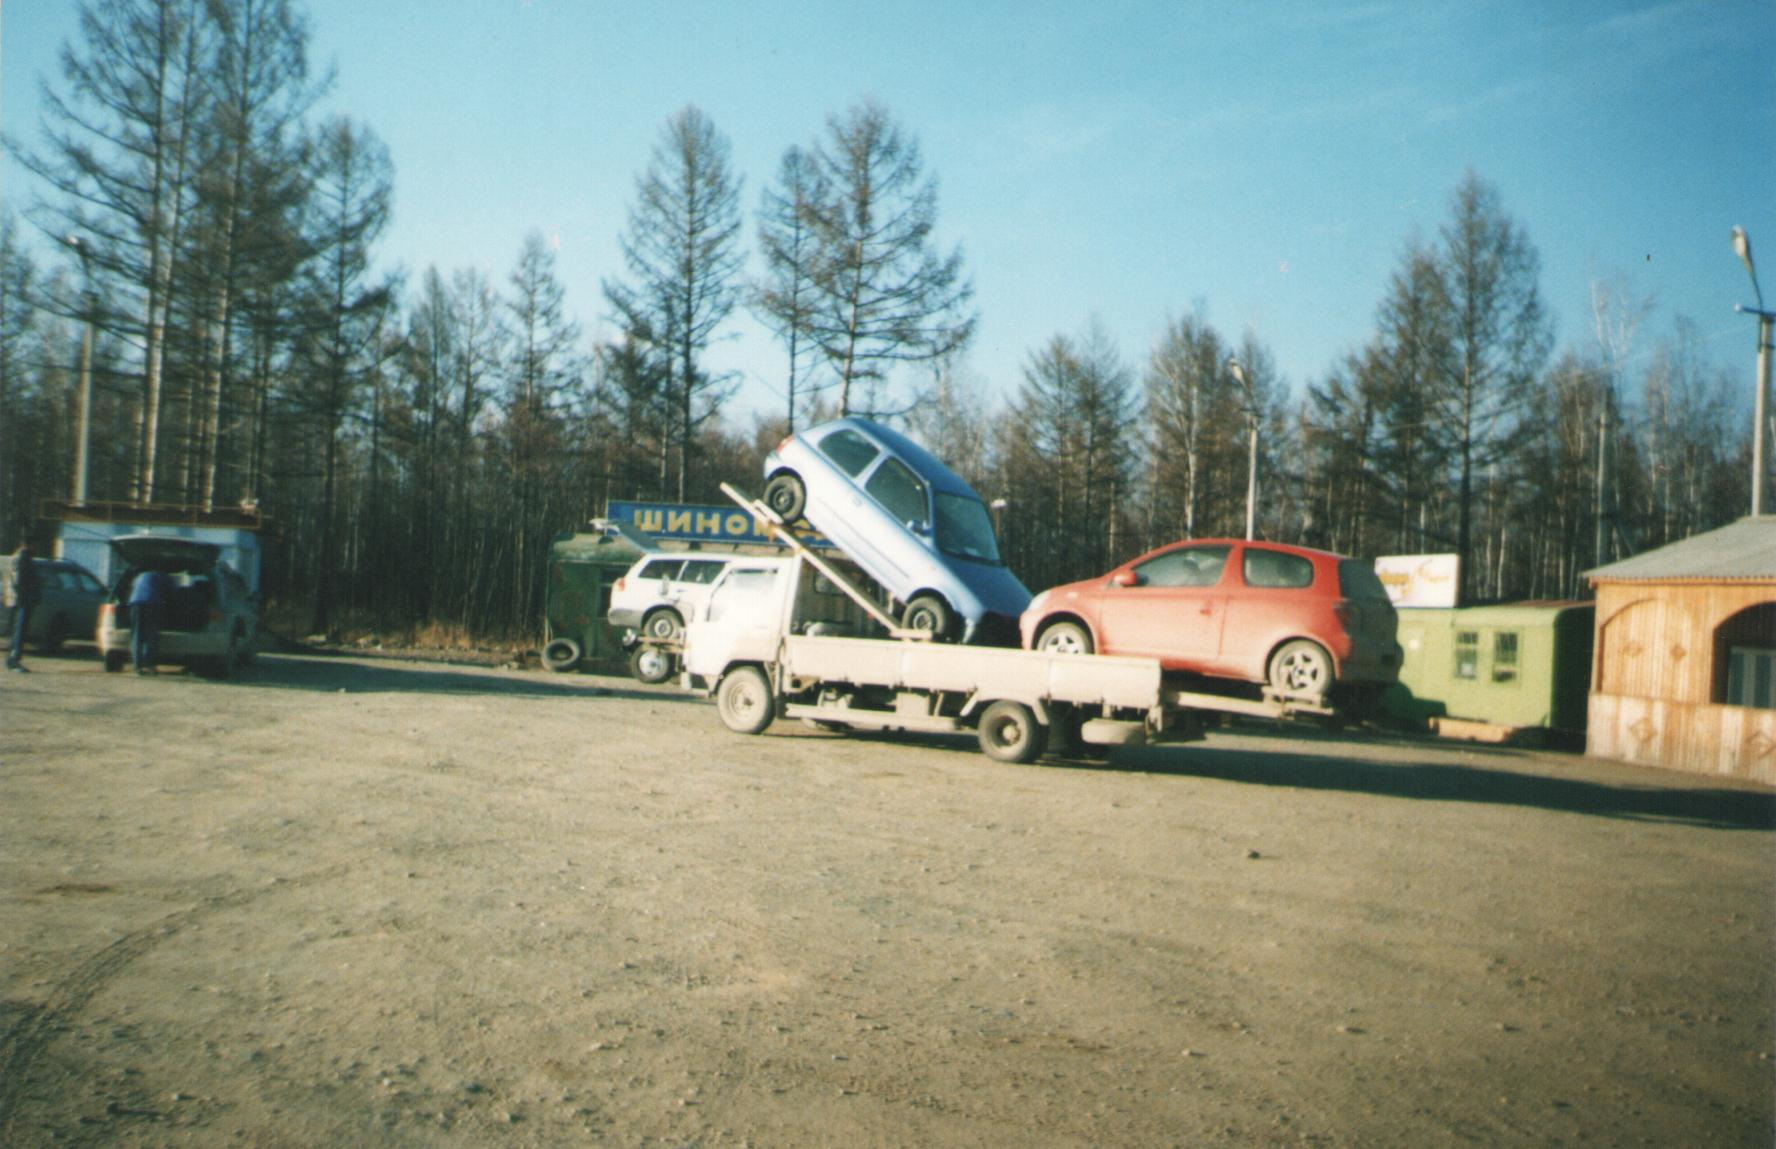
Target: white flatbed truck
<point x="795" y="637"/>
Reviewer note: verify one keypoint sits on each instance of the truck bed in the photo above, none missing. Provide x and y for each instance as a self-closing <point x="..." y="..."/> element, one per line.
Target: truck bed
<point x="1022" y="675"/>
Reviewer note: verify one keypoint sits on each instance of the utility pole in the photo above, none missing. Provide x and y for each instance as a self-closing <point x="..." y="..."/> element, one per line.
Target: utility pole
<point x="1239" y="376"/>
<point x="83" y="429"/>
<point x="1760" y="430"/>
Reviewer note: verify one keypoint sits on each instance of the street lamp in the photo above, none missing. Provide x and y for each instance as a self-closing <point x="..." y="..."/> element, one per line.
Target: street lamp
<point x="1238" y="371"/>
<point x="1742" y="246"/>
<point x="83" y="431"/>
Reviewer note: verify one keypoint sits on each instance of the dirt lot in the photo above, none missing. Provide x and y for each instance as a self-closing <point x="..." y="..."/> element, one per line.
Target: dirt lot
<point x="347" y="902"/>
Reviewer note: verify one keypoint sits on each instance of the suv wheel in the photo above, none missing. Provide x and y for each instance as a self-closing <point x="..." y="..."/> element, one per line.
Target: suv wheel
<point x="663" y="626"/>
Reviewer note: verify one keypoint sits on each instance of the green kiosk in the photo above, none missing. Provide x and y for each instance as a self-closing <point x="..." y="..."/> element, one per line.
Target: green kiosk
<point x="1524" y="666"/>
<point x="582" y="567"/>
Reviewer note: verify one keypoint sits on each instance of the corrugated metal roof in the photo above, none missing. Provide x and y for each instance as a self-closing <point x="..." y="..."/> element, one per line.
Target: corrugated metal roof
<point x="1742" y="550"/>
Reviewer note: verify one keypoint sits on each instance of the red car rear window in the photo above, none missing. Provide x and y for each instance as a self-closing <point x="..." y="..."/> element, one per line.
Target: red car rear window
<point x="1357" y="579"/>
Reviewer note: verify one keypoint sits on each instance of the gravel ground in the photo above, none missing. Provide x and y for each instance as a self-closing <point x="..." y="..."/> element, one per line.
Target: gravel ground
<point x="347" y="901"/>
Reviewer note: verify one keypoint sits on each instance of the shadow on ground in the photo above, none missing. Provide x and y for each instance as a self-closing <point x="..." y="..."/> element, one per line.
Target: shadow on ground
<point x="331" y="675"/>
<point x="1292" y="763"/>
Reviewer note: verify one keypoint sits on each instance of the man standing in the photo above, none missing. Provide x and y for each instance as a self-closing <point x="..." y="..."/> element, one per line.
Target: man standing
<point x="26" y="585"/>
<point x="147" y="599"/>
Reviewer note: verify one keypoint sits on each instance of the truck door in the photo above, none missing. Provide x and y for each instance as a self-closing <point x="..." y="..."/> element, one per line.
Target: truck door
<point x="741" y="623"/>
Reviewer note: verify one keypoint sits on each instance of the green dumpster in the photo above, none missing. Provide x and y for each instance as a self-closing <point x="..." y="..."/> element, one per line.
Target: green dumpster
<point x="582" y="566"/>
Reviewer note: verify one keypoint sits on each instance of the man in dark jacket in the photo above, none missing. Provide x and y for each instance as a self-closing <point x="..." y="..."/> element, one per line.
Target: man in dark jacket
<point x="147" y="600"/>
<point x="26" y="586"/>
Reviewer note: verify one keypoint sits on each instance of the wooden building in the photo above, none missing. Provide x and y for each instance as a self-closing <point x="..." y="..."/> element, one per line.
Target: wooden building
<point x="1684" y="670"/>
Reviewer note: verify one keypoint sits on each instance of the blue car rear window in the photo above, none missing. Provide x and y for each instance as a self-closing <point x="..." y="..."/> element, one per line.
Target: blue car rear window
<point x="851" y="451"/>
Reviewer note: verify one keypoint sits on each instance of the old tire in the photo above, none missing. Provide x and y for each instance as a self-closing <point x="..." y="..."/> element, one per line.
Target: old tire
<point x="786" y="495"/>
<point x="561" y="655"/>
<point x="1009" y="732"/>
<point x="1301" y="669"/>
<point x="663" y="626"/>
<point x="651" y="665"/>
<point x="929" y="613"/>
<point x="114" y="661"/>
<point x="744" y="700"/>
<point x="1065" y="638"/>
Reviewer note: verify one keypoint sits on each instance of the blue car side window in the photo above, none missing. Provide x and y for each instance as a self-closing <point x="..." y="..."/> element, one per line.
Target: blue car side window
<point x="851" y="451"/>
<point x="896" y="487"/>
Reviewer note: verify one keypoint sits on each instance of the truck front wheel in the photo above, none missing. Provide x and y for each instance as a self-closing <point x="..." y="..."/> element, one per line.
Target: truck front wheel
<point x="744" y="700"/>
<point x="1009" y="732"/>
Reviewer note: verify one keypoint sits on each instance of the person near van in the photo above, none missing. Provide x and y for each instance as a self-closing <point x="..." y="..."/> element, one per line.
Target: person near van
<point x="147" y="602"/>
<point x="26" y="585"/>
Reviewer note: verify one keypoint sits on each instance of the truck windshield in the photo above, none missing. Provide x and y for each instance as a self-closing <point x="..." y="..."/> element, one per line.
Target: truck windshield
<point x="743" y="589"/>
<point x="964" y="529"/>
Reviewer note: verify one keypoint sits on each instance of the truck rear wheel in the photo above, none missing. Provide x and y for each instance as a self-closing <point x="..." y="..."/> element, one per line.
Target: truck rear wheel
<point x="744" y="700"/>
<point x="1009" y="732"/>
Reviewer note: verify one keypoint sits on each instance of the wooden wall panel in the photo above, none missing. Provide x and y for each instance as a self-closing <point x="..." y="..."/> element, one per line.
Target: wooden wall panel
<point x="1729" y="741"/>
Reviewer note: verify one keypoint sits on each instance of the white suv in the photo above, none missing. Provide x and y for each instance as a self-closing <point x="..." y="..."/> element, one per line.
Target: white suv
<point x="662" y="590"/>
<point x="210" y="619"/>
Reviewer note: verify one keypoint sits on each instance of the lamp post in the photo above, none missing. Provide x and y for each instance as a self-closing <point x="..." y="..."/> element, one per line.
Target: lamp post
<point x="1742" y="245"/>
<point x="83" y="429"/>
<point x="1238" y="371"/>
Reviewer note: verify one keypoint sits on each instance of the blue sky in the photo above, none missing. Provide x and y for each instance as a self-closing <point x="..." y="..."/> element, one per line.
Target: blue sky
<point x="1128" y="161"/>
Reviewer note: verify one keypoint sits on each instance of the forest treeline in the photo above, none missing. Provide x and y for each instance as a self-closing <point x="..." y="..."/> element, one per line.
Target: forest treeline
<point x="204" y="251"/>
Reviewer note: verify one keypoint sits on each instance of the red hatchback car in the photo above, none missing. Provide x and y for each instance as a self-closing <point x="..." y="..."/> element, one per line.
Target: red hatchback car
<point x="1302" y="621"/>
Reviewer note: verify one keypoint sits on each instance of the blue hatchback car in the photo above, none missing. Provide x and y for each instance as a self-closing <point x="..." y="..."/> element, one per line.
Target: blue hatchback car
<point x="907" y="519"/>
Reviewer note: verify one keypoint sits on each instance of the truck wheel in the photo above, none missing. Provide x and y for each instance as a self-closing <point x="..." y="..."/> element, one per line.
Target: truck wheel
<point x="930" y="613"/>
<point x="663" y="625"/>
<point x="1065" y="638"/>
<point x="561" y="655"/>
<point x="744" y="700"/>
<point x="1009" y="732"/>
<point x="1301" y="669"/>
<point x="650" y="664"/>
<point x="786" y="496"/>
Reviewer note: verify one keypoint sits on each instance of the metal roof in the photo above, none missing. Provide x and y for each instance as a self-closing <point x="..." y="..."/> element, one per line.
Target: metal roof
<point x="1742" y="550"/>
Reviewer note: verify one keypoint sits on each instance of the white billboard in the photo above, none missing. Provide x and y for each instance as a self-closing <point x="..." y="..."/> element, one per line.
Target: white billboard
<point x="1420" y="580"/>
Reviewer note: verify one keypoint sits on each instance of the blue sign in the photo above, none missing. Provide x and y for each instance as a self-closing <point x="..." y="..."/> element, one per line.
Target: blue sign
<point x="698" y="524"/>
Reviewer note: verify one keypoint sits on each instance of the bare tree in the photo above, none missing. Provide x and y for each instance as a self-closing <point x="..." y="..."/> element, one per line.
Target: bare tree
<point x="682" y="252"/>
<point x="251" y="185"/>
<point x="354" y="184"/>
<point x="117" y="154"/>
<point x="1498" y="338"/>
<point x="784" y="299"/>
<point x="884" y="294"/>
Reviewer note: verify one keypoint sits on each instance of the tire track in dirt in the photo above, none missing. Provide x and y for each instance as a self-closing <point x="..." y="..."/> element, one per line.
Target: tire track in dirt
<point x="23" y="1042"/>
